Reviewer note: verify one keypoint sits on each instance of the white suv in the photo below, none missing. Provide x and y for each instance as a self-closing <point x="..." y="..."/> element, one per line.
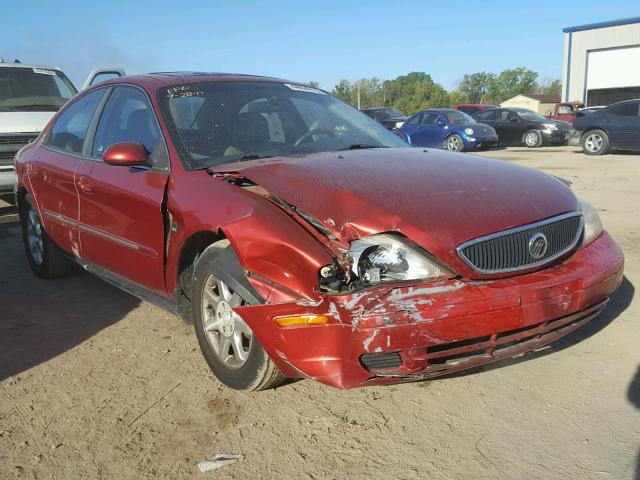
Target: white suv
<point x="29" y="96"/>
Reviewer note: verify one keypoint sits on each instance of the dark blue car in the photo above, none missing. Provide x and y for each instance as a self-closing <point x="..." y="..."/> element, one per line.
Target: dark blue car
<point x="446" y="128"/>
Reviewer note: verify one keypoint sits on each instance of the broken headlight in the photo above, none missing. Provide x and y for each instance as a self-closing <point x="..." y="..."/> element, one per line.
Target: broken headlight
<point x="390" y="258"/>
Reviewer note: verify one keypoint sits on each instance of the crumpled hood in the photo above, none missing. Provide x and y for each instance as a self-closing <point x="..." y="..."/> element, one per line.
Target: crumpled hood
<point x="436" y="198"/>
<point x="24" y="122"/>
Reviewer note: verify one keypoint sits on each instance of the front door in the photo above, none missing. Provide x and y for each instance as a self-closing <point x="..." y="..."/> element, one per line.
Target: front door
<point x="623" y="125"/>
<point x="52" y="171"/>
<point x="122" y="227"/>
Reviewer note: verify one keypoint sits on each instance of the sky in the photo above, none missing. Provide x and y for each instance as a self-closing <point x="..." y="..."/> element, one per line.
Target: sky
<point x="324" y="41"/>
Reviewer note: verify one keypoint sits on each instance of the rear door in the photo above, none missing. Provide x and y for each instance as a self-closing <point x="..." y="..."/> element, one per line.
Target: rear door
<point x="52" y="170"/>
<point x="122" y="226"/>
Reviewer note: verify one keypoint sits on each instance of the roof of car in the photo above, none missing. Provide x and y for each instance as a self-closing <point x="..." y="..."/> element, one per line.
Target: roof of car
<point x="26" y="65"/>
<point x="174" y="78"/>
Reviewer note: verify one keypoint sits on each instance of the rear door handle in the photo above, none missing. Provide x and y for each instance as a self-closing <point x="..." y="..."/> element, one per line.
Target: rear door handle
<point x="85" y="184"/>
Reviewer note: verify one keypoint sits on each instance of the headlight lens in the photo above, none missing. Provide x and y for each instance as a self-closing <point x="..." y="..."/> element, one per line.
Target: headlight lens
<point x="592" y="223"/>
<point x="468" y="131"/>
<point x="399" y="124"/>
<point x="549" y="126"/>
<point x="389" y="258"/>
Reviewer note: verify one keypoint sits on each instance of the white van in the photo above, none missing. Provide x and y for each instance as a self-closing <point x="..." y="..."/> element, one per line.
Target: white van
<point x="29" y="96"/>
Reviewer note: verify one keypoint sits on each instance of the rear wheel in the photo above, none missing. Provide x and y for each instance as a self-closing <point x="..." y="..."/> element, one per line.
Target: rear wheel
<point x="45" y="258"/>
<point x="454" y="143"/>
<point x="533" y="139"/>
<point x="595" y="142"/>
<point x="228" y="344"/>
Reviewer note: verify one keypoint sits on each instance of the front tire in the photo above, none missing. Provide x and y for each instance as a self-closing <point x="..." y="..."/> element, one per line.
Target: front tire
<point x="228" y="344"/>
<point x="533" y="139"/>
<point x="454" y="143"/>
<point x="595" y="142"/>
<point x="45" y="258"/>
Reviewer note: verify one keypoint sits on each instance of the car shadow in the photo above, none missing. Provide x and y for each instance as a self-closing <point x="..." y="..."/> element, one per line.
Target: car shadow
<point x="618" y="303"/>
<point x="40" y="319"/>
<point x="633" y="394"/>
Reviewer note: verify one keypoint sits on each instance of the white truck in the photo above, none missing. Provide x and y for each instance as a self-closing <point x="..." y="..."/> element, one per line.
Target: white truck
<point x="29" y="96"/>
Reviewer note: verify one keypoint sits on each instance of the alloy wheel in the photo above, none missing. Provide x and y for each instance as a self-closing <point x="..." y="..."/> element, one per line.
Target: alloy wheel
<point x="227" y="333"/>
<point x="593" y="143"/>
<point x="531" y="139"/>
<point x="453" y="144"/>
<point x="35" y="237"/>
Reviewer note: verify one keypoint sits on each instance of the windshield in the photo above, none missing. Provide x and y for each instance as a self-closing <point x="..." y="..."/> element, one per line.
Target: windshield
<point x="220" y="122"/>
<point x="529" y="115"/>
<point x="33" y="89"/>
<point x="458" y="118"/>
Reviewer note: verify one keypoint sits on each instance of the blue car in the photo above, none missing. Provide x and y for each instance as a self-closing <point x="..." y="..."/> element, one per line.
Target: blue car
<point x="446" y="128"/>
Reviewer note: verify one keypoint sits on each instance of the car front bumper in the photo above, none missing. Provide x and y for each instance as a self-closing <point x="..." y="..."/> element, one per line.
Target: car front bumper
<point x="7" y="180"/>
<point x="477" y="141"/>
<point x="575" y="137"/>
<point x="554" y="136"/>
<point x="394" y="334"/>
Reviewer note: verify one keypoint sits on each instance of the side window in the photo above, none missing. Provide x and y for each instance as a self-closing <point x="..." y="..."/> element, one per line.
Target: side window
<point x="70" y="129"/>
<point x="413" y="120"/>
<point x="428" y="118"/>
<point x="503" y="115"/>
<point x="486" y="115"/>
<point x="127" y="117"/>
<point x="625" y="110"/>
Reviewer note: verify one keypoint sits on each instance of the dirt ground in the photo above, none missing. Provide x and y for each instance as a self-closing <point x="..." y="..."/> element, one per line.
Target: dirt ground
<point x="95" y="384"/>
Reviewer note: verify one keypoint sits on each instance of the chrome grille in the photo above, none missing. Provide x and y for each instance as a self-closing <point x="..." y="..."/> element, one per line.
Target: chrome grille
<point x="509" y="251"/>
<point x="17" y="139"/>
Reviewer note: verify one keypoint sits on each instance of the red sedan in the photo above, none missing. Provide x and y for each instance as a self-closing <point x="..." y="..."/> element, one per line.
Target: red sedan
<point x="301" y="238"/>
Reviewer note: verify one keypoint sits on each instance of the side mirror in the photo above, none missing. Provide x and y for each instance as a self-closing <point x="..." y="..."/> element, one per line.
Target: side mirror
<point x="440" y="122"/>
<point x="514" y="119"/>
<point x="126" y="154"/>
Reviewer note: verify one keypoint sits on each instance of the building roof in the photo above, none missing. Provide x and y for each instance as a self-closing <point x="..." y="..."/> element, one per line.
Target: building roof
<point x="543" y="98"/>
<point x="610" y="23"/>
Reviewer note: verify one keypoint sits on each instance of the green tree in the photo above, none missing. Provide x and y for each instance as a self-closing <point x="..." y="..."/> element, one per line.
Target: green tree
<point x="415" y="91"/>
<point x="343" y="90"/>
<point x="313" y="83"/>
<point x="512" y="82"/>
<point x="473" y="88"/>
<point x="549" y="87"/>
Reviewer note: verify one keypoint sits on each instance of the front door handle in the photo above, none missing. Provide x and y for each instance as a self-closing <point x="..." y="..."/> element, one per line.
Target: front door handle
<point x="85" y="184"/>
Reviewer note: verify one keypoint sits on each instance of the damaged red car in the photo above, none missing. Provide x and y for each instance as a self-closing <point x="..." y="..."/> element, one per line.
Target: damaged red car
<point x="301" y="238"/>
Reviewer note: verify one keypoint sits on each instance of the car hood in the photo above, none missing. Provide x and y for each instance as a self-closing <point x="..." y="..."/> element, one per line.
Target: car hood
<point x="438" y="199"/>
<point x="24" y="122"/>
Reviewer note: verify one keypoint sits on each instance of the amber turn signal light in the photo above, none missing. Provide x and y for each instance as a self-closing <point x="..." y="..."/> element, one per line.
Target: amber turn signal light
<point x="302" y="320"/>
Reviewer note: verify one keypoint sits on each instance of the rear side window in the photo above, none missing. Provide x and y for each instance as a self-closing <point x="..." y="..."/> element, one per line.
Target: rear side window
<point x="625" y="110"/>
<point x="70" y="129"/>
<point x="127" y="117"/>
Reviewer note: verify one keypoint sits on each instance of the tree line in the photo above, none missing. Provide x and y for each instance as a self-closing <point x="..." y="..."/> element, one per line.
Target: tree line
<point x="417" y="90"/>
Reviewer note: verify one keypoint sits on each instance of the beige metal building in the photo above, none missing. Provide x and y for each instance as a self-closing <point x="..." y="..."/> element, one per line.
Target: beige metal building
<point x="542" y="104"/>
<point x="602" y="62"/>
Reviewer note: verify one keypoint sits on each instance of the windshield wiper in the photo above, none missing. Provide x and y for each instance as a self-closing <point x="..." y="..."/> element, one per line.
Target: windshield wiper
<point x="40" y="105"/>
<point x="361" y="146"/>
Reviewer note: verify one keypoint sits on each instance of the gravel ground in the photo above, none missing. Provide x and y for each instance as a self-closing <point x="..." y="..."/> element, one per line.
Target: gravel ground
<point x="95" y="384"/>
